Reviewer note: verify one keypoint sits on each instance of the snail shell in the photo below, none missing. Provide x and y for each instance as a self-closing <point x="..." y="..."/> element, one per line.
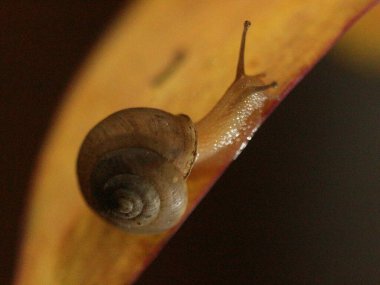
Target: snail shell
<point x="132" y="168"/>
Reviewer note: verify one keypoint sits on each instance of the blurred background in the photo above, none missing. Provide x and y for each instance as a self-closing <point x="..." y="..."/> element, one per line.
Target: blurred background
<point x="301" y="205"/>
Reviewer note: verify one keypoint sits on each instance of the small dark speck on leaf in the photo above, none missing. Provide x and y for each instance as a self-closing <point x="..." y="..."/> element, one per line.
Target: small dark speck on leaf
<point x="170" y="69"/>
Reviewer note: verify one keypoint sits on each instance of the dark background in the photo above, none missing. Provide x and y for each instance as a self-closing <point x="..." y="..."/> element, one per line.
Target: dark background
<point x="299" y="206"/>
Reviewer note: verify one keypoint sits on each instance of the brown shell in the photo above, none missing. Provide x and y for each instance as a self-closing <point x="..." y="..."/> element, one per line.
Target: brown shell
<point x="138" y="141"/>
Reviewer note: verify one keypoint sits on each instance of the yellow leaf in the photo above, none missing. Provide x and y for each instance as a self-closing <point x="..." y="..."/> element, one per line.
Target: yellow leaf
<point x="64" y="242"/>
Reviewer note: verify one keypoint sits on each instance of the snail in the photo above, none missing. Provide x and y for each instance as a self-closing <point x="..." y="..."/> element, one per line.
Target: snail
<point x="132" y="166"/>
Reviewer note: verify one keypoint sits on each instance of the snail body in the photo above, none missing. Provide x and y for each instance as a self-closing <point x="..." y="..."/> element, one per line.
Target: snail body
<point x="132" y="166"/>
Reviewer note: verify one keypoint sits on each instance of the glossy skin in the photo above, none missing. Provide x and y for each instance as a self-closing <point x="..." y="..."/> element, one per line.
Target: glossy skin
<point x="229" y="122"/>
<point x="133" y="165"/>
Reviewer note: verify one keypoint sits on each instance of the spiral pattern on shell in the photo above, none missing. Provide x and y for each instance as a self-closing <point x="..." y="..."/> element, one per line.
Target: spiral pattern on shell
<point x="148" y="196"/>
<point x="132" y="168"/>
